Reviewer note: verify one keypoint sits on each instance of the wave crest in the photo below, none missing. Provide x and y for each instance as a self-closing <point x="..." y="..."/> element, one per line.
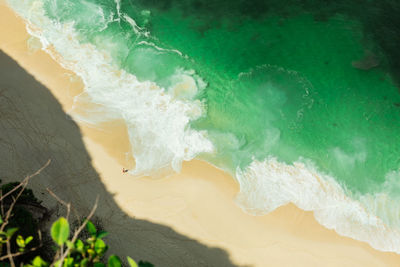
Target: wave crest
<point x="269" y="184"/>
<point x="158" y="123"/>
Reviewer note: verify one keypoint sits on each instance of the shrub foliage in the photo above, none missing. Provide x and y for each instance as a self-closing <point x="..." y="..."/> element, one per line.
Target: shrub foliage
<point x="21" y="239"/>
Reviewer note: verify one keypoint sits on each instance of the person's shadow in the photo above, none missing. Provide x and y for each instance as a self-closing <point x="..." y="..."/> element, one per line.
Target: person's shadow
<point x="34" y="128"/>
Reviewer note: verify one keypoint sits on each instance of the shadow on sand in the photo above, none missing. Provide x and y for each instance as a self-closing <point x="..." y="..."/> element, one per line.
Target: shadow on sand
<point x="34" y="128"/>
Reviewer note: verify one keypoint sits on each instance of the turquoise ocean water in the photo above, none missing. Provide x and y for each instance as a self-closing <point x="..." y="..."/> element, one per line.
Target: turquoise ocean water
<point x="298" y="100"/>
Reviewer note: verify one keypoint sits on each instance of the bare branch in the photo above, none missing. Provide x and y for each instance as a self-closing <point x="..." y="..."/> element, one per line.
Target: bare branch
<point x="18" y="253"/>
<point x="9" y="255"/>
<point x="57" y="198"/>
<point x="78" y="231"/>
<point x="1" y="204"/>
<point x="22" y="185"/>
<point x="23" y="252"/>
<point x="8" y="214"/>
<point x="40" y="238"/>
<point x="67" y="205"/>
<point x="26" y="180"/>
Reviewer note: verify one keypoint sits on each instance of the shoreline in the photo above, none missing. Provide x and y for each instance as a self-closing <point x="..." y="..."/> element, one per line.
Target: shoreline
<point x="192" y="202"/>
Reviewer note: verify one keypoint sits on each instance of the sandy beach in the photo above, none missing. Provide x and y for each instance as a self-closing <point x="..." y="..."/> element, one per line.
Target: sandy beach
<point x="187" y="219"/>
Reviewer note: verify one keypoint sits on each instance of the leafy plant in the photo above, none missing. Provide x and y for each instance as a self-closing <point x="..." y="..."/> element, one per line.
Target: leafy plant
<point x="83" y="253"/>
<point x="70" y="250"/>
<point x="60" y="231"/>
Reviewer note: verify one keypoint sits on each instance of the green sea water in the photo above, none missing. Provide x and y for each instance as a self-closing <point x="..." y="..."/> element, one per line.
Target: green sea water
<point x="299" y="95"/>
<point x="315" y="81"/>
<point x="282" y="77"/>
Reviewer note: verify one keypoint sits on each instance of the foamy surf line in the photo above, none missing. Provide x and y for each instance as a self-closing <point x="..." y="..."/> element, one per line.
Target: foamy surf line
<point x="269" y="184"/>
<point x="159" y="133"/>
<point x="154" y="119"/>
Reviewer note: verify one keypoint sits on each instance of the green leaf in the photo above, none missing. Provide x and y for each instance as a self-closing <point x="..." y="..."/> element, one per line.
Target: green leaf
<point x="68" y="262"/>
<point x="70" y="245"/>
<point x="11" y="231"/>
<point x="1" y="220"/>
<point x="99" y="246"/>
<point x="99" y="264"/>
<point x="114" y="261"/>
<point x="28" y="240"/>
<point x="131" y="262"/>
<point x="84" y="262"/>
<point x="90" y="251"/>
<point x="60" y="231"/>
<point x="38" y="262"/>
<point x="102" y="234"/>
<point x="91" y="240"/>
<point x="79" y="245"/>
<point x="20" y="241"/>
<point x="91" y="228"/>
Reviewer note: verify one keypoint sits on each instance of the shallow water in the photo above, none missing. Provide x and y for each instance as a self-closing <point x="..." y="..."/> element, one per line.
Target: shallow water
<point x="298" y="100"/>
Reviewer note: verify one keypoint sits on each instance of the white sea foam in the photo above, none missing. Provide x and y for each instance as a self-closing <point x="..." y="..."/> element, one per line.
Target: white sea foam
<point x="267" y="185"/>
<point x="135" y="27"/>
<point x="160" y="48"/>
<point x="157" y="123"/>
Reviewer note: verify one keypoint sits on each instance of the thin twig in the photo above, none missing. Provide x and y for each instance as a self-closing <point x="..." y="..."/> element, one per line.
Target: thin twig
<point x="56" y="197"/>
<point x="9" y="255"/>
<point x="19" y="253"/>
<point x="8" y="214"/>
<point x="26" y="180"/>
<point x="1" y="204"/>
<point x="78" y="231"/>
<point x="22" y="185"/>
<point x="67" y="205"/>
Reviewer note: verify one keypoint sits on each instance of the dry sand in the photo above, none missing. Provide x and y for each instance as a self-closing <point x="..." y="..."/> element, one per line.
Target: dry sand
<point x="189" y="219"/>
